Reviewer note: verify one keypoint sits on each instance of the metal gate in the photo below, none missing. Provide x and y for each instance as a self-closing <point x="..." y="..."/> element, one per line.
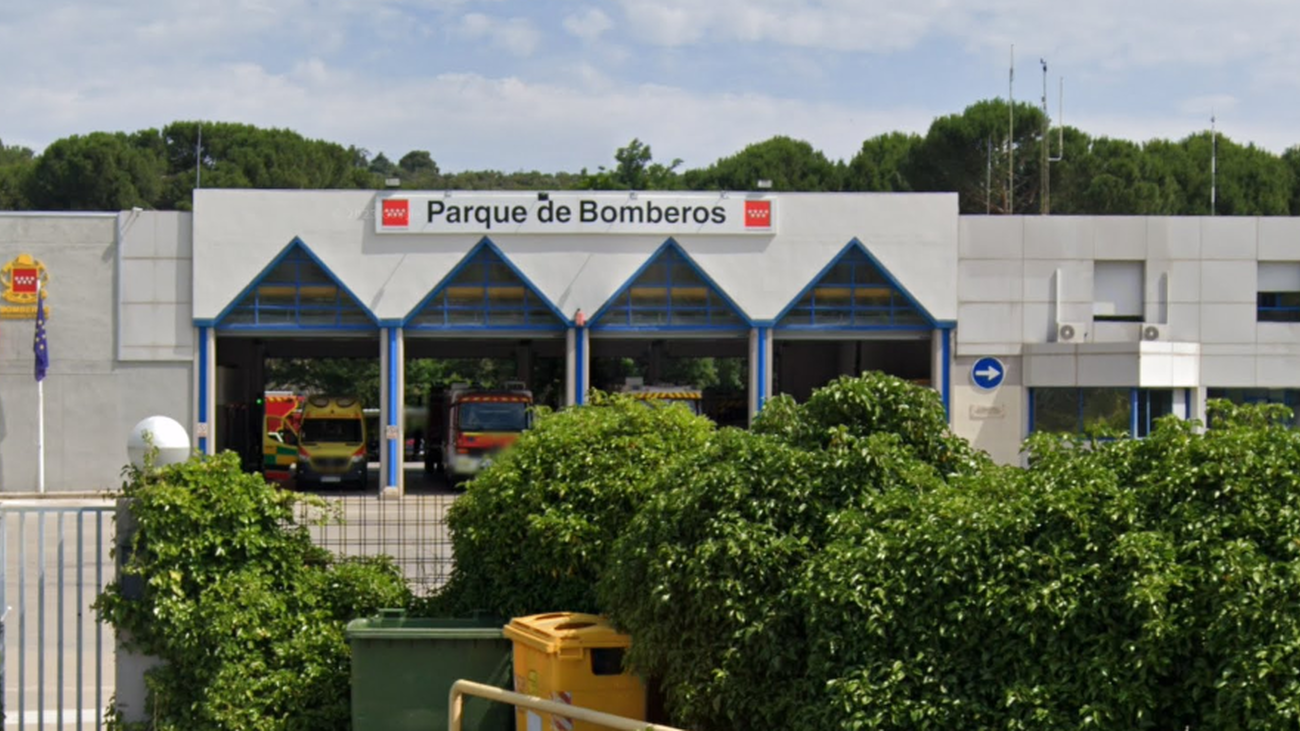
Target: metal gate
<point x="57" y="668"/>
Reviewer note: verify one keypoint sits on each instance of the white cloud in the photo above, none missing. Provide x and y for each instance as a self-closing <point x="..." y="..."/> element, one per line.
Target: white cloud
<point x="71" y="67"/>
<point x="515" y="35"/>
<point x="589" y="24"/>
<point x="468" y="121"/>
<point x="1092" y="34"/>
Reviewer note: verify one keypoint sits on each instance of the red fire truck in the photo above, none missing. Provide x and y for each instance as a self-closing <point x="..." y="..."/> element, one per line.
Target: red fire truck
<point x="469" y="426"/>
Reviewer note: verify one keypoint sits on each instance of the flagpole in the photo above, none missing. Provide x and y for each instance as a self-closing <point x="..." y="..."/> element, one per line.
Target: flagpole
<point x="40" y="413"/>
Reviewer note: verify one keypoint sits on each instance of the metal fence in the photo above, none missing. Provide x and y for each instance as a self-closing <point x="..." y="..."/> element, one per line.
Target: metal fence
<point x="57" y="667"/>
<point x="58" y="663"/>
<point x="412" y="530"/>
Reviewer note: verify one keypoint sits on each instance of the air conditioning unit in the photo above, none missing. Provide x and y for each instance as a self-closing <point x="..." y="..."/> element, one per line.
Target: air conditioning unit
<point x="1154" y="331"/>
<point x="1072" y="332"/>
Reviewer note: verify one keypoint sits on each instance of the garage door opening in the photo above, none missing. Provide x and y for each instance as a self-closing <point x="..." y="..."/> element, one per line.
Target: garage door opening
<point x="671" y="327"/>
<point x="853" y="318"/>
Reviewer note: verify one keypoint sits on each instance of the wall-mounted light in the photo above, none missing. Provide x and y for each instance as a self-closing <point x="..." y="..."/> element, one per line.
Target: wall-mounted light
<point x="580" y="318"/>
<point x="543" y="196"/>
<point x="632" y="195"/>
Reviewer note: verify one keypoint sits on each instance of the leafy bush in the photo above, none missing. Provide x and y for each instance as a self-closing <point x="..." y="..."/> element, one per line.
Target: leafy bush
<point x="245" y="612"/>
<point x="531" y="534"/>
<point x="855" y="407"/>
<point x="706" y="577"/>
<point x="1123" y="585"/>
<point x="844" y="582"/>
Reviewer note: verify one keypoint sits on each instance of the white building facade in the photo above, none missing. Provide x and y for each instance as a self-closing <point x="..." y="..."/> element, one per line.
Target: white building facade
<point x="1020" y="323"/>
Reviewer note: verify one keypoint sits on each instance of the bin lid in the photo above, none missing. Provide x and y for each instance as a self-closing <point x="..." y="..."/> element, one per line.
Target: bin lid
<point x="390" y="625"/>
<point x="558" y="631"/>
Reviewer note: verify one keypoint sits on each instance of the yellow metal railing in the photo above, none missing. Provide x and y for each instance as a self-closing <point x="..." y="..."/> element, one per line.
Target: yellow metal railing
<point x="462" y="688"/>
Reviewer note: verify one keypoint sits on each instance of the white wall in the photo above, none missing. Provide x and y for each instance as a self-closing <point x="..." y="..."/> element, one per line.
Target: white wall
<point x="92" y="400"/>
<point x="155" y="269"/>
<point x="237" y="233"/>
<point x="1200" y="287"/>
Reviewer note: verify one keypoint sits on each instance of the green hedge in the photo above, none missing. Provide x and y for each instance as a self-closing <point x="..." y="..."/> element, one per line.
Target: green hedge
<point x="246" y="614"/>
<point x="836" y="576"/>
<point x="532" y="533"/>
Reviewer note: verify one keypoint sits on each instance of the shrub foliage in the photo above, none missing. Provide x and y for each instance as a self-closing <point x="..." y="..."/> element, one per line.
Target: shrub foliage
<point x="825" y="574"/>
<point x="532" y="533"/>
<point x="246" y="614"/>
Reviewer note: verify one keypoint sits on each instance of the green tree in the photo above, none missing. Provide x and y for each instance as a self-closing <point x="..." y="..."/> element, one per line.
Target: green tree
<point x="418" y="162"/>
<point x="16" y="163"/>
<point x="419" y="171"/>
<point x="635" y="170"/>
<point x="788" y="164"/>
<point x="1119" y="177"/>
<point x="969" y="153"/>
<point x="1249" y="182"/>
<point x="15" y="154"/>
<point x="244" y="156"/>
<point x="882" y="163"/>
<point x="96" y="172"/>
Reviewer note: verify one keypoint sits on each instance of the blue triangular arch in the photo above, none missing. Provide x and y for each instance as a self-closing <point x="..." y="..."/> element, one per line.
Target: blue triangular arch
<point x="854" y="292"/>
<point x="296" y="291"/>
<point x="670" y="292"/>
<point x="485" y="291"/>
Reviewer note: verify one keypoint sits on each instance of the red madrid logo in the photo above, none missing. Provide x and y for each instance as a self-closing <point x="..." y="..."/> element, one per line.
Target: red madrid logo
<point x="758" y="214"/>
<point x="397" y="213"/>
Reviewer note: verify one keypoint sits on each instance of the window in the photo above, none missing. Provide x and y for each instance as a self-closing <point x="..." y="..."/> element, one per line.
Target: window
<point x="297" y="293"/>
<point x="485" y="293"/>
<point x="1279" y="292"/>
<point x="670" y="293"/>
<point x="854" y="294"/>
<point x="1288" y="397"/>
<point x="1117" y="291"/>
<point x="1114" y="410"/>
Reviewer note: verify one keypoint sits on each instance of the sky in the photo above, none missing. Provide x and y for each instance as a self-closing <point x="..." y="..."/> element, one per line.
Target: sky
<point x="560" y="85"/>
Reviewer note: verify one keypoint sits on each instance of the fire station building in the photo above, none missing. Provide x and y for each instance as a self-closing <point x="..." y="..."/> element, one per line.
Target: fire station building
<point x="1019" y="323"/>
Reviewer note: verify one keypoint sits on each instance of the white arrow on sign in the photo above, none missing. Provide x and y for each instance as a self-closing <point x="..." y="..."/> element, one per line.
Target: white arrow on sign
<point x="989" y="372"/>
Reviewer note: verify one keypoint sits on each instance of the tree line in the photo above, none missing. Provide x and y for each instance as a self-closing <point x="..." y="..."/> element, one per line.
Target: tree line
<point x="1035" y="169"/>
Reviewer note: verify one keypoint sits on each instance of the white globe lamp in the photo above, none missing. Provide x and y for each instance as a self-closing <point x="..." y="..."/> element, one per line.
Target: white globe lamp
<point x="169" y="437"/>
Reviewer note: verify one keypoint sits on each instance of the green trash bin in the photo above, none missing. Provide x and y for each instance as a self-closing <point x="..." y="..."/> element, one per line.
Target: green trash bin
<point x="403" y="669"/>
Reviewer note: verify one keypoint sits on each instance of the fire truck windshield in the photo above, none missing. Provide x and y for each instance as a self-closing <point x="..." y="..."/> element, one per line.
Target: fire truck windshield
<point x="493" y="416"/>
<point x="331" y="430"/>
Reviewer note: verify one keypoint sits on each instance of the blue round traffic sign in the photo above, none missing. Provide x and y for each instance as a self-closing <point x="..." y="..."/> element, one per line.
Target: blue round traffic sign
<point x="987" y="373"/>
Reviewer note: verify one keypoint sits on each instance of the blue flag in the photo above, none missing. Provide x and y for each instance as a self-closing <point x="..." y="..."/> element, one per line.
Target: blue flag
<point x="42" y="352"/>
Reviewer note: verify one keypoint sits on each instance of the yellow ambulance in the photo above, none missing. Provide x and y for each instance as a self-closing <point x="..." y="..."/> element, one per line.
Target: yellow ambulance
<point x="332" y="444"/>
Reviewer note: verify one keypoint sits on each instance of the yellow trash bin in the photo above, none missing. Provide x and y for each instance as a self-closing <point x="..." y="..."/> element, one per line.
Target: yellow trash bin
<point x="576" y="659"/>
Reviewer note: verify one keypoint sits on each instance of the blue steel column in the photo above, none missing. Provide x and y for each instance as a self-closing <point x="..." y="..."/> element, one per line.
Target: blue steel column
<point x="947" y="373"/>
<point x="204" y="396"/>
<point x="764" y="335"/>
<point x="1133" y="412"/>
<point x="580" y="365"/>
<point x="395" y="410"/>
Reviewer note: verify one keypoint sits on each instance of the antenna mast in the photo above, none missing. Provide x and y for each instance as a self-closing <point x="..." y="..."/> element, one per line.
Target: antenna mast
<point x="198" y="159"/>
<point x="1011" y="133"/>
<point x="1044" y="206"/>
<point x="1214" y="162"/>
